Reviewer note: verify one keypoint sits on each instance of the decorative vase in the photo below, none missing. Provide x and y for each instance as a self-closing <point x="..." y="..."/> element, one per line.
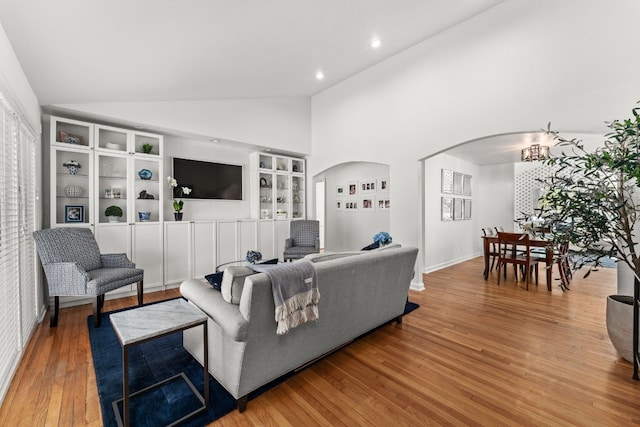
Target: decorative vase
<point x="145" y="174"/>
<point x="72" y="191"/>
<point x="620" y="324"/>
<point x="177" y="216"/>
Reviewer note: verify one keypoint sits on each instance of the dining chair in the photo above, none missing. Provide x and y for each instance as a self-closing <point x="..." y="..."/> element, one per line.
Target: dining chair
<point x="493" y="251"/>
<point x="509" y="254"/>
<point x="560" y="258"/>
<point x="74" y="266"/>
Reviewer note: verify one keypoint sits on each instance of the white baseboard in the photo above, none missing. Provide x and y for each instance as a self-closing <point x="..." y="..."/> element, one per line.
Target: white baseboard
<point x="449" y="263"/>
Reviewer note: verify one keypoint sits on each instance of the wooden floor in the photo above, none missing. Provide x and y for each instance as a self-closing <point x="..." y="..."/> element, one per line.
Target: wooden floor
<point x="474" y="353"/>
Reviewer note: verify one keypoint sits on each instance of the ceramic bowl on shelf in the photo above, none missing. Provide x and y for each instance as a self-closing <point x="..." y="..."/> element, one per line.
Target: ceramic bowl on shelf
<point x="72" y="190"/>
<point x="145" y="174"/>
<point x="144" y="216"/>
<point x="113" y="146"/>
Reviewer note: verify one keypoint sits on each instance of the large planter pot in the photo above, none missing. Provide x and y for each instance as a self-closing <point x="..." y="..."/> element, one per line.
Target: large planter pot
<point x="620" y="324"/>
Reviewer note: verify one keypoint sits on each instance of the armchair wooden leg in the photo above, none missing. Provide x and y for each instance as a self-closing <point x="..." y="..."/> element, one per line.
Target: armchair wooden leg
<point x="97" y="309"/>
<point x="241" y="403"/>
<point x="140" y="292"/>
<point x="53" y="316"/>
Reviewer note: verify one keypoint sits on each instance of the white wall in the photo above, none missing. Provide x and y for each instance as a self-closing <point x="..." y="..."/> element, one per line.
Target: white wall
<point x="206" y="151"/>
<point x="514" y="68"/>
<point x="347" y="230"/>
<point x="279" y="123"/>
<point x="15" y="86"/>
<point x="448" y="242"/>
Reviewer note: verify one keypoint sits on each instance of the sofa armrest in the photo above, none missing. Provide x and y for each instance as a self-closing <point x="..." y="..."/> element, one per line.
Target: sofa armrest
<point x="224" y="314"/>
<point x="66" y="278"/>
<point x="116" y="261"/>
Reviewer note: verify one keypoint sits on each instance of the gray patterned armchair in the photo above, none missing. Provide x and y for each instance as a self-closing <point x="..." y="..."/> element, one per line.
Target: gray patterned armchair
<point x="74" y="266"/>
<point x="304" y="239"/>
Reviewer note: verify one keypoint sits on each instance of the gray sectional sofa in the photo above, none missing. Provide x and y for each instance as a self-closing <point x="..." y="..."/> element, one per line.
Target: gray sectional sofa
<point x="359" y="291"/>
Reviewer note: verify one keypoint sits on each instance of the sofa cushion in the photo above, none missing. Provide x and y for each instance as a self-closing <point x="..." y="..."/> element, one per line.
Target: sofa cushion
<point x="233" y="283"/>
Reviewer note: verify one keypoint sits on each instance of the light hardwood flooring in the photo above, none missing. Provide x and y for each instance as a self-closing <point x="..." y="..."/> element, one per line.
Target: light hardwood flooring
<point x="474" y="353"/>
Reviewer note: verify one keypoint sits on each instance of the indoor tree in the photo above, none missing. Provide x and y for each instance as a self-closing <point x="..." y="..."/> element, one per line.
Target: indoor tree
<point x="591" y="202"/>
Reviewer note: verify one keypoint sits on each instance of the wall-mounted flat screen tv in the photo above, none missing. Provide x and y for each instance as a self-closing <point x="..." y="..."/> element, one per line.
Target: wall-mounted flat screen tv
<point x="207" y="180"/>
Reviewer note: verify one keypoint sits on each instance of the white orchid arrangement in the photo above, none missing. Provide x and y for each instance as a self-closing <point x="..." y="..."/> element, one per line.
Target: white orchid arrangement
<point x="184" y="191"/>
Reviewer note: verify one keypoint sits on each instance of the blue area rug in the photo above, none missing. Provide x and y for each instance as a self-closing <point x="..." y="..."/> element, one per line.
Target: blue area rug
<point x="152" y="362"/>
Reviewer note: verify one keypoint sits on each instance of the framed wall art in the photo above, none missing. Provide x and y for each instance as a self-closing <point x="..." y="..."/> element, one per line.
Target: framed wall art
<point x="351" y="205"/>
<point x="340" y="190"/>
<point x="367" y="204"/>
<point x="458" y="206"/>
<point x="352" y="188"/>
<point x="458" y="182"/>
<point x="339" y="205"/>
<point x="466" y="185"/>
<point x="368" y="186"/>
<point x="383" y="185"/>
<point x="467" y="209"/>
<point x="447" y="181"/>
<point x="446" y="209"/>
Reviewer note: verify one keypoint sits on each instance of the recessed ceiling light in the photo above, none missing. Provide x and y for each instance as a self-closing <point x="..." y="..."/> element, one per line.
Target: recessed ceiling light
<point x="319" y="75"/>
<point x="375" y="43"/>
<point x="215" y="140"/>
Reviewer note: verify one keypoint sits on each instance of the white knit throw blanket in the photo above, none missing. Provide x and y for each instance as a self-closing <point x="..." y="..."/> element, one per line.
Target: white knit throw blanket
<point x="295" y="293"/>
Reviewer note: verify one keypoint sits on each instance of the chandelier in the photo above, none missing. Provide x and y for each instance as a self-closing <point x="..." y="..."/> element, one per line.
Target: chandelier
<point x="534" y="152"/>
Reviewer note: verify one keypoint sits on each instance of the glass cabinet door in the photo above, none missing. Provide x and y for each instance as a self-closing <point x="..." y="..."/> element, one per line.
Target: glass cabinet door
<point x="266" y="195"/>
<point x="147" y="192"/>
<point x="282" y="196"/>
<point x="111" y="188"/>
<point x="71" y="186"/>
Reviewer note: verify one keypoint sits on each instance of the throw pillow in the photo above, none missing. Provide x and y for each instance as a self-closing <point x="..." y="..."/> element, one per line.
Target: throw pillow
<point x="374" y="245"/>
<point x="215" y="280"/>
<point x="233" y="283"/>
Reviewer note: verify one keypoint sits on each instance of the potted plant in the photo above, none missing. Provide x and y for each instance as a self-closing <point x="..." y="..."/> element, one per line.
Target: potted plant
<point x="113" y="212"/>
<point x="147" y="148"/>
<point x="180" y="192"/>
<point x="591" y="202"/>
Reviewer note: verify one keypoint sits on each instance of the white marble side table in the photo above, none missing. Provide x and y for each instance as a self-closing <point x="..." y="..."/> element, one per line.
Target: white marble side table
<point x="142" y="324"/>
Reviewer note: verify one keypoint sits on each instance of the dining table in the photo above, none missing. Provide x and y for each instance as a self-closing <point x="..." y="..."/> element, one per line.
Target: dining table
<point x="535" y="242"/>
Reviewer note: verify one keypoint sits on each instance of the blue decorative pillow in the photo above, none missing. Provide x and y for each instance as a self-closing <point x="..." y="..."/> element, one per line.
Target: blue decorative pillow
<point x="374" y="245"/>
<point x="215" y="279"/>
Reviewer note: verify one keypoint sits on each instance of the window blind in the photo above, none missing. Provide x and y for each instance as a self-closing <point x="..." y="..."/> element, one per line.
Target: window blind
<point x="18" y="286"/>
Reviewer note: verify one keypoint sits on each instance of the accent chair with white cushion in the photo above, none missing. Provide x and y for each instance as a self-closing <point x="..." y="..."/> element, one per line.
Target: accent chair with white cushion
<point x="74" y="266"/>
<point x="304" y="239"/>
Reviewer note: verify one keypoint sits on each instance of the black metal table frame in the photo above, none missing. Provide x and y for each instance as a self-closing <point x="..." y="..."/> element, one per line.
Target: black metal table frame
<point x="124" y="421"/>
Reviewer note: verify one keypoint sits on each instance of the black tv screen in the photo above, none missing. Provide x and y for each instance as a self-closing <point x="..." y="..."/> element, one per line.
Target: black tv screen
<point x="207" y="180"/>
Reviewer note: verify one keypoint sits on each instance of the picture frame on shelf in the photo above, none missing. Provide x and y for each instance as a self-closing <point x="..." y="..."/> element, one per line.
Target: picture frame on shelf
<point x="73" y="213"/>
<point x="69" y="138"/>
<point x="446" y="209"/>
<point x="446" y="181"/>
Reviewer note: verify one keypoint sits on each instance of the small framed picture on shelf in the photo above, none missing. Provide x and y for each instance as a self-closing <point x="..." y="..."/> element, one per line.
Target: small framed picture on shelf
<point x="70" y="138"/>
<point x="74" y="213"/>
